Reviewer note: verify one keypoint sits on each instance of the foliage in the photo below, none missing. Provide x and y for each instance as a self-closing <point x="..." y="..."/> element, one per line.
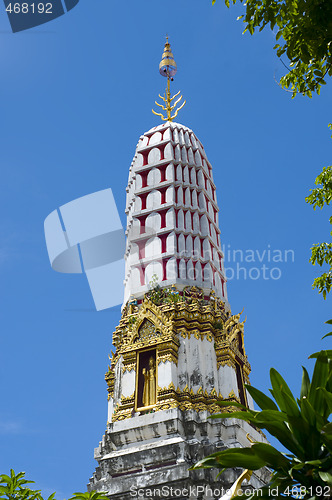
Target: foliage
<point x="321" y="253"/>
<point x="14" y="487"/>
<point x="303" y="30"/>
<point x="301" y="425"/>
<point x="160" y="295"/>
<point x="89" y="495"/>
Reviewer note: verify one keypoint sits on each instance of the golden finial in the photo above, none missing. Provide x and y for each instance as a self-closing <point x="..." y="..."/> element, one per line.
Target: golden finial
<point x="167" y="67"/>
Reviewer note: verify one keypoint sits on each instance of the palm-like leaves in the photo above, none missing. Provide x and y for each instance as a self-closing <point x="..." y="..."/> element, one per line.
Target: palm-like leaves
<point x="300" y="425"/>
<point x="14" y="487"/>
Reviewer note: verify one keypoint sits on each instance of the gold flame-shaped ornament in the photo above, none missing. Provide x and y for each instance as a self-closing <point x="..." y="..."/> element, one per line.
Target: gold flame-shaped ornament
<point x="168" y="68"/>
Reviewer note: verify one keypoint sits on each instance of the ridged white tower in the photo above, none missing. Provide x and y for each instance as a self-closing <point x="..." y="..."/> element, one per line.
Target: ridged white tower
<point x="172" y="215"/>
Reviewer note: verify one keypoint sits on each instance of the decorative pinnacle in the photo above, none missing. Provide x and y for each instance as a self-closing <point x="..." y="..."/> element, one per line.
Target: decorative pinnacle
<point x="168" y="68"/>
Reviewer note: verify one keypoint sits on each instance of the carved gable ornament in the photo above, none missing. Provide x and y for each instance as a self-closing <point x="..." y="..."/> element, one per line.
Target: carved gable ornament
<point x="151" y="327"/>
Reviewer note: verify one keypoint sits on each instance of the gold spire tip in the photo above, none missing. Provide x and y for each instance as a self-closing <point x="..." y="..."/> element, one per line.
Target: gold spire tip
<point x="168" y="68"/>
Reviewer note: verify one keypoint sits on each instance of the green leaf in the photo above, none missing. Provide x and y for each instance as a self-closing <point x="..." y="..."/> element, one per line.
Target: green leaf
<point x="239" y="457"/>
<point x="326" y="477"/>
<point x="308" y="412"/>
<point x="271" y="456"/>
<point x="305" y="386"/>
<point x="319" y="379"/>
<point x="279" y="388"/>
<point x="206" y="463"/>
<point x="263" y="401"/>
<point x="328" y="397"/>
<point x="231" y="403"/>
<point x="328" y="354"/>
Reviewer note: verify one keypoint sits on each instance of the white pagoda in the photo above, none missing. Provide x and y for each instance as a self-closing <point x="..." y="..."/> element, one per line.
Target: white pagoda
<point x="178" y="349"/>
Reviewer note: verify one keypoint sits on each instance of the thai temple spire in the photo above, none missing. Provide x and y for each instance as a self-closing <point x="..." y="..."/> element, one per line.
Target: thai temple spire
<point x="172" y="211"/>
<point x="178" y="349"/>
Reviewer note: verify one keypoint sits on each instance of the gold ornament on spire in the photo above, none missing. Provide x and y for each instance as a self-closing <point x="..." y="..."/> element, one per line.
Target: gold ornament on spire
<point x="167" y="68"/>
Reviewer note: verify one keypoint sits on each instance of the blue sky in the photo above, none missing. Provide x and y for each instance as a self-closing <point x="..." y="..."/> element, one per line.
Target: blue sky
<point x="76" y="95"/>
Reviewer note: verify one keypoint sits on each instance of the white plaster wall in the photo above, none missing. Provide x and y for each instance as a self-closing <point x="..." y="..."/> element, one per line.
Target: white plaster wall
<point x="171" y="269"/>
<point x="168" y="152"/>
<point x="169" y="173"/>
<point x="227" y="381"/>
<point x="153" y="247"/>
<point x="250" y="401"/>
<point x="154" y="156"/>
<point x="154" y="177"/>
<point x="153" y="268"/>
<point x="197" y="366"/>
<point x="153" y="199"/>
<point x="110" y="409"/>
<point x="155" y="138"/>
<point x="166" y="374"/>
<point x="170" y="219"/>
<point x="128" y="383"/>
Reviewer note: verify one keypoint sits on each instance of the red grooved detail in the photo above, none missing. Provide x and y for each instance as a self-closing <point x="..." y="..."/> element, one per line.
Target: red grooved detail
<point x="162" y="151"/>
<point x="177" y="243"/>
<point x="185" y="220"/>
<point x="162" y="169"/>
<point x="210" y="228"/>
<point x="194" y="265"/>
<point x="141" y="248"/>
<point x="214" y="276"/>
<point x="176" y="210"/>
<point x="143" y="197"/>
<point x="176" y="188"/>
<point x="163" y="239"/>
<point x="164" y="263"/>
<point x="142" y="219"/>
<point x="211" y="246"/>
<point x="215" y="215"/>
<point x="162" y="214"/>
<point x="205" y="180"/>
<point x="207" y="202"/>
<point x="202" y="249"/>
<point x="145" y="155"/>
<point x="144" y="177"/>
<point x="163" y="194"/>
<point x="192" y="220"/>
<point x="141" y="269"/>
<point x="213" y="194"/>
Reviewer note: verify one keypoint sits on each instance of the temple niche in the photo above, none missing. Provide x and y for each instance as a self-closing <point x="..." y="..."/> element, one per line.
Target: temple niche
<point x="178" y="349"/>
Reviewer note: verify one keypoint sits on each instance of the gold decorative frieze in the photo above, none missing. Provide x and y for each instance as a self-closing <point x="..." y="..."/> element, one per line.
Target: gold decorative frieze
<point x="128" y="367"/>
<point x="159" y="324"/>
